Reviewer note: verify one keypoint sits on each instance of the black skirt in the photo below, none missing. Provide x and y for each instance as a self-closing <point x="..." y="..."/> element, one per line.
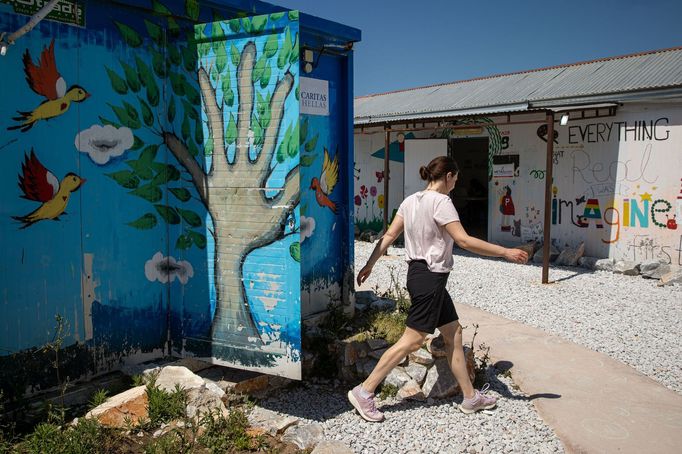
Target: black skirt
<point x="432" y="305"/>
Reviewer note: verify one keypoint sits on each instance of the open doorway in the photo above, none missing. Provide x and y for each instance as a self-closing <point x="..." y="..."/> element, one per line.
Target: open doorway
<point x="470" y="195"/>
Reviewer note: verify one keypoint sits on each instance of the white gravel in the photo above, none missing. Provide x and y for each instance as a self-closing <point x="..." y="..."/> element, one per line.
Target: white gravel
<point x="628" y="318"/>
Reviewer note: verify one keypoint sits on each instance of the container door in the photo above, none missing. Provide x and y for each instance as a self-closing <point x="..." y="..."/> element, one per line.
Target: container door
<point x="248" y="75"/>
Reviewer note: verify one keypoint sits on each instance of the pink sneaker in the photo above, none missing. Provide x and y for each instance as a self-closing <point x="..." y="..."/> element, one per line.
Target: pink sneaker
<point x="479" y="402"/>
<point x="365" y="405"/>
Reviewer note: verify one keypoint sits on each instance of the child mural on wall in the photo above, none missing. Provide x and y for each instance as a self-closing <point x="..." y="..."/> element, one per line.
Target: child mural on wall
<point x="507" y="209"/>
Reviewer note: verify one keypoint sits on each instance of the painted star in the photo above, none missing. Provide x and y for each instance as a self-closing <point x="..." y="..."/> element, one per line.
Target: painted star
<point x="645" y="196"/>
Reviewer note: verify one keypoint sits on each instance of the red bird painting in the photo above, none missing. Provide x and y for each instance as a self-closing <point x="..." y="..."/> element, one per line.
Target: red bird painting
<point x="45" y="80"/>
<point x="325" y="184"/>
<point x="40" y="185"/>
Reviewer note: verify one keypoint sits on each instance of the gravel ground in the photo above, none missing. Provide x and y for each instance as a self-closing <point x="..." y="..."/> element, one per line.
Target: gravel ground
<point x="628" y="318"/>
<point x="436" y="426"/>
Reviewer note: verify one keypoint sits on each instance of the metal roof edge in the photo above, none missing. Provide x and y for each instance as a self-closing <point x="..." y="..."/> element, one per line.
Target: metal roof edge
<point x="393" y="118"/>
<point x="617" y="97"/>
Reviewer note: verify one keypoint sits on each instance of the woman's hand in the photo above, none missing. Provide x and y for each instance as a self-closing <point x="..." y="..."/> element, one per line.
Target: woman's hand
<point x="516" y="255"/>
<point x="364" y="274"/>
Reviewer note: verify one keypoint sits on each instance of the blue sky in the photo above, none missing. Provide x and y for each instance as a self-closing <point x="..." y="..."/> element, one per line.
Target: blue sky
<point x="407" y="44"/>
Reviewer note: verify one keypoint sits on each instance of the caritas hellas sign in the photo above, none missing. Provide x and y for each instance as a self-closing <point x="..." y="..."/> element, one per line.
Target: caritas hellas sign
<point x="314" y="96"/>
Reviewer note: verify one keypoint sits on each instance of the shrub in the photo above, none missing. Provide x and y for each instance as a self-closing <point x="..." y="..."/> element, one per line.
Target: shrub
<point x="165" y="406"/>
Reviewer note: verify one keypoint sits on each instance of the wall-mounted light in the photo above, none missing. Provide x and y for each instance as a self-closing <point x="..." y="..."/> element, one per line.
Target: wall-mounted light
<point x="3" y="49"/>
<point x="564" y="119"/>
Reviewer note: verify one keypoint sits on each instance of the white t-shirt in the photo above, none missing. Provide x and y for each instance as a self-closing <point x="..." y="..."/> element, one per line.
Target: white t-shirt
<point x="425" y="215"/>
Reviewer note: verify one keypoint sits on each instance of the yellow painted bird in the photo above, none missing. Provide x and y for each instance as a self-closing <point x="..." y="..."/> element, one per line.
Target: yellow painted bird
<point x="39" y="184"/>
<point x="45" y="80"/>
<point x="325" y="184"/>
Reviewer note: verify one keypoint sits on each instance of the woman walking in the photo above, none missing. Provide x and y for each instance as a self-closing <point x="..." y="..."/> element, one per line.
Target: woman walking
<point x="431" y="224"/>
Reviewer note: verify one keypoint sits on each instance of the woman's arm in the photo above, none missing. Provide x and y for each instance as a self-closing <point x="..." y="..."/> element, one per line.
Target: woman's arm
<point x="386" y="240"/>
<point x="481" y="247"/>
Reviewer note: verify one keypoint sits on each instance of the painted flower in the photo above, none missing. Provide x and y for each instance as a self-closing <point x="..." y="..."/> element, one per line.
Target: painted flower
<point x="103" y="143"/>
<point x="307" y="227"/>
<point x="380" y="176"/>
<point x="358" y="200"/>
<point x="380" y="201"/>
<point x="373" y="191"/>
<point x="363" y="191"/>
<point x="166" y="269"/>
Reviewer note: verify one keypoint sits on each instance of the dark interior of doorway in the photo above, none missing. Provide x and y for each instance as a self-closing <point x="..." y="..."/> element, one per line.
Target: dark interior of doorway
<point x="470" y="195"/>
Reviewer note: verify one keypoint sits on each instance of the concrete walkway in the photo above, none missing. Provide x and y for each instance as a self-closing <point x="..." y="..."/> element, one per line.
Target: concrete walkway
<point x="594" y="404"/>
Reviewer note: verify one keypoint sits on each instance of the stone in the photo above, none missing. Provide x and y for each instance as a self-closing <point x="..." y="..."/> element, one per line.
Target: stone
<point x="626" y="267"/>
<point x="417" y="372"/>
<point x="215" y="389"/>
<point x="412" y="390"/>
<point x="397" y="377"/>
<point x="436" y="346"/>
<point x="383" y="304"/>
<point x="587" y="262"/>
<point x="368" y="235"/>
<point x="305" y="436"/>
<point x="251" y="385"/>
<point x="570" y="256"/>
<point x="553" y="254"/>
<point x="365" y="366"/>
<point x="673" y="277"/>
<point x="376" y="354"/>
<point x="421" y="356"/>
<point x="331" y="447"/>
<point x="128" y="406"/>
<point x="654" y="269"/>
<point x="350" y="353"/>
<point x="170" y="376"/>
<point x="440" y="383"/>
<point x="201" y="401"/>
<point x="529" y="248"/>
<point x="270" y="421"/>
<point x="356" y="231"/>
<point x="364" y="297"/>
<point x="376" y="344"/>
<point x="604" y="265"/>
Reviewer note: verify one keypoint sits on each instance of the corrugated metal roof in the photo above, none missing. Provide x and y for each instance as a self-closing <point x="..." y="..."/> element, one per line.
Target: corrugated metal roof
<point x="655" y="70"/>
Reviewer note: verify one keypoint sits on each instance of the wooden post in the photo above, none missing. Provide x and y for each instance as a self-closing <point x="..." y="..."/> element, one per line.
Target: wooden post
<point x="548" y="198"/>
<point x="387" y="145"/>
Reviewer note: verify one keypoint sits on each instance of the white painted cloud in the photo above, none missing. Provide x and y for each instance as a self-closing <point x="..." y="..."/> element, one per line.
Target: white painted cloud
<point x="307" y="227"/>
<point x="102" y="143"/>
<point x="166" y="269"/>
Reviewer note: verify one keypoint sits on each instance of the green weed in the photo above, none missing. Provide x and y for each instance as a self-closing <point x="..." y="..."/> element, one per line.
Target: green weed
<point x="98" y="398"/>
<point x="165" y="406"/>
<point x="226" y="434"/>
<point x="388" y="390"/>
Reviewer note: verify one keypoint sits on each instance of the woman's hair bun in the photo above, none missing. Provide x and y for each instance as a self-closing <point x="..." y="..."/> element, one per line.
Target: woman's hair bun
<point x="424" y="173"/>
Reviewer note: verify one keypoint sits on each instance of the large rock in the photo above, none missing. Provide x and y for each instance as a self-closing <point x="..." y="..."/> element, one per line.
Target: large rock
<point x="570" y="256"/>
<point x="436" y="346"/>
<point x="305" y="436"/>
<point x="673" y="277"/>
<point x="654" y="269"/>
<point x="626" y="267"/>
<point x="417" y="372"/>
<point x="553" y="254"/>
<point x="271" y="422"/>
<point x="376" y="344"/>
<point x="383" y="304"/>
<point x="411" y="390"/>
<point x="331" y="447"/>
<point x="205" y="399"/>
<point x="129" y="406"/>
<point x="440" y="382"/>
<point x="365" y="366"/>
<point x="587" y="262"/>
<point x="421" y="356"/>
<point x="604" y="265"/>
<point x="397" y="377"/>
<point x="170" y="376"/>
<point x="376" y="354"/>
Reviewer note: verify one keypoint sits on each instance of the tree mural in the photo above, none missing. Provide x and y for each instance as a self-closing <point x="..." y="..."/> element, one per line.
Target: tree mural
<point x="244" y="84"/>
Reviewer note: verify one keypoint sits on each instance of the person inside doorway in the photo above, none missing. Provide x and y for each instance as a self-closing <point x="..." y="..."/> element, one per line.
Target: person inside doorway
<point x="431" y="225"/>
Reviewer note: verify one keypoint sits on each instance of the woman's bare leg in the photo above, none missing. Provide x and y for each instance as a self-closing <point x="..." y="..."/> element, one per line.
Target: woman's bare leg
<point x="452" y="335"/>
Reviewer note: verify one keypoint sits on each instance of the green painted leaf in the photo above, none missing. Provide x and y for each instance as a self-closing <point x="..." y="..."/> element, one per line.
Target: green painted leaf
<point x="192" y="9"/>
<point x="258" y="24"/>
<point x="125" y="178"/>
<point x="220" y="56"/>
<point x="183" y="242"/>
<point x="159" y="64"/>
<point x="271" y="46"/>
<point x="173" y="27"/>
<point x="141" y="168"/>
<point x="296" y="93"/>
<point x="276" y="16"/>
<point x="189" y="58"/>
<point x="258" y="69"/>
<point x="307" y="160"/>
<point x="293" y="15"/>
<point x="169" y="214"/>
<point x="174" y="55"/>
<point x="198" y="238"/>
<point x="294" y="143"/>
<point x="293" y="57"/>
<point x="171" y="110"/>
<point x="310" y="145"/>
<point x="281" y="151"/>
<point x="181" y="194"/>
<point x="105" y="121"/>
<point x="146" y="222"/>
<point x="198" y="132"/>
<point x="235" y="26"/>
<point x="124" y="118"/>
<point x="117" y="83"/>
<point x="131" y="77"/>
<point x="167" y="173"/>
<point x="226" y="81"/>
<point x="283" y="56"/>
<point x="160" y="8"/>
<point x="193" y="150"/>
<point x="304" y="130"/>
<point x="147" y="115"/>
<point x="149" y="154"/>
<point x="143" y="70"/>
<point x="228" y="97"/>
<point x="153" y="93"/>
<point x="148" y="192"/>
<point x="155" y="31"/>
<point x="295" y="251"/>
<point x="137" y="143"/>
<point x="192" y="94"/>
<point x="246" y="23"/>
<point x="265" y="78"/>
<point x="190" y="217"/>
<point x="257" y="131"/>
<point x="185" y="129"/>
<point x="231" y="132"/>
<point x="131" y="111"/>
<point x="130" y="36"/>
<point x="177" y="83"/>
<point x="190" y="110"/>
<point x="234" y="54"/>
